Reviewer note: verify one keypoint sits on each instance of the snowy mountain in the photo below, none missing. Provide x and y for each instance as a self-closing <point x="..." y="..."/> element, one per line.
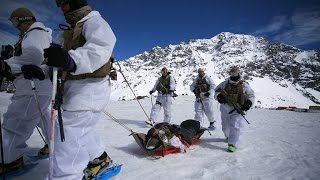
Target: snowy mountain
<point x="280" y="74"/>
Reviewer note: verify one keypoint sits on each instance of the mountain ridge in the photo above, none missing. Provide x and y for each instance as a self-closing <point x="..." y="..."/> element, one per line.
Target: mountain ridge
<point x="283" y="64"/>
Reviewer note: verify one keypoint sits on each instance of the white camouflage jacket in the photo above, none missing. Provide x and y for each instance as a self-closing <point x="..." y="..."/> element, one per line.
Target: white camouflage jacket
<point x="32" y="47"/>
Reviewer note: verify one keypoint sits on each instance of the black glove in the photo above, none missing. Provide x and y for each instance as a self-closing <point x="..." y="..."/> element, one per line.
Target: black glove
<point x="171" y="92"/>
<point x="150" y="92"/>
<point x="57" y="57"/>
<point x="194" y="91"/>
<point x="6" y="52"/>
<point x="207" y="94"/>
<point x="32" y="72"/>
<point x="5" y="71"/>
<point x="246" y="106"/>
<point x="221" y="99"/>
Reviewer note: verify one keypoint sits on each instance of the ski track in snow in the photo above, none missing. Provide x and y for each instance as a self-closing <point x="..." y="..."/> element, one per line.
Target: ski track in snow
<point x="276" y="145"/>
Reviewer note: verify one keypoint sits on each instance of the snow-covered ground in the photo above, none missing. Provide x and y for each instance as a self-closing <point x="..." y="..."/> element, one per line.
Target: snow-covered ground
<point x="276" y="145"/>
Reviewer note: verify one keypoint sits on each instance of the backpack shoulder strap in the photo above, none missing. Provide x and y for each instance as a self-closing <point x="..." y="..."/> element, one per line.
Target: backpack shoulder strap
<point x="78" y="30"/>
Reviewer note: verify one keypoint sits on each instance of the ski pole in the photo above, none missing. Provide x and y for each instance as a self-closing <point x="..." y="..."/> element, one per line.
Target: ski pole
<point x="52" y="121"/>
<point x="61" y="125"/>
<point x="2" y="156"/>
<point x="151" y="100"/>
<point x="39" y="109"/>
<point x="1" y="80"/>
<point x="202" y="106"/>
<point x="41" y="135"/>
<point x="57" y="105"/>
<point x="125" y="79"/>
<point x="140" y="105"/>
<point x="118" y="121"/>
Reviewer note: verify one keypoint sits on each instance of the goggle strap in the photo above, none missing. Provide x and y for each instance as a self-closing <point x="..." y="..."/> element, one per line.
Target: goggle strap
<point x="26" y="18"/>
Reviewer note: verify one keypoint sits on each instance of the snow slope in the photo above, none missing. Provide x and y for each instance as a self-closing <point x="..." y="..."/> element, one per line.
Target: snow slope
<point x="276" y="145"/>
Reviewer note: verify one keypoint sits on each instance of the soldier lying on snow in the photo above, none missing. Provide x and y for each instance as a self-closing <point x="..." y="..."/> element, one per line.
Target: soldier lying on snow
<point x="165" y="138"/>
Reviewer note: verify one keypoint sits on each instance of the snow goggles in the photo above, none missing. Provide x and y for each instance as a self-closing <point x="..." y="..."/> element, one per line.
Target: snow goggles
<point x="16" y="21"/>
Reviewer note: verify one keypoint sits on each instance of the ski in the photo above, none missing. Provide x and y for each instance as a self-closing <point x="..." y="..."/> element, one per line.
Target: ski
<point x="26" y="168"/>
<point x="108" y="172"/>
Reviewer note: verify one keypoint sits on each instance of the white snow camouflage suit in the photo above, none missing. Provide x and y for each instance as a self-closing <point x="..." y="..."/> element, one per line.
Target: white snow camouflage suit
<point x="83" y="101"/>
<point x="23" y="115"/>
<point x="204" y="105"/>
<point x="163" y="100"/>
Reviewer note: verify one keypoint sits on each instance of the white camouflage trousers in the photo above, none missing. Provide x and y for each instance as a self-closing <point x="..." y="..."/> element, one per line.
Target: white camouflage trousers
<point x="83" y="102"/>
<point x="164" y="101"/>
<point x="203" y="106"/>
<point x="19" y="123"/>
<point x="231" y="124"/>
<point x="81" y="144"/>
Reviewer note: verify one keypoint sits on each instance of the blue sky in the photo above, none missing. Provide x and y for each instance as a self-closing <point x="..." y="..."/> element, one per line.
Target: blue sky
<point x="140" y="25"/>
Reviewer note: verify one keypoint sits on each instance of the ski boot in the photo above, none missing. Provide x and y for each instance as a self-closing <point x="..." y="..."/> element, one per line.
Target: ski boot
<point x="10" y="167"/>
<point x="211" y="126"/>
<point x="44" y="151"/>
<point x="231" y="148"/>
<point x="94" y="166"/>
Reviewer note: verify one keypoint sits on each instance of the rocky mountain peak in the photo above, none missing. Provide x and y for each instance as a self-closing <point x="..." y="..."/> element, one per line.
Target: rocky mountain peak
<point x="285" y="65"/>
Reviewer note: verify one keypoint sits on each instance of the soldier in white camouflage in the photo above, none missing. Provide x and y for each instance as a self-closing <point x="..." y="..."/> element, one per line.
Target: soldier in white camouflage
<point x="203" y="88"/>
<point x="28" y="102"/>
<point x="240" y="92"/>
<point x="165" y="86"/>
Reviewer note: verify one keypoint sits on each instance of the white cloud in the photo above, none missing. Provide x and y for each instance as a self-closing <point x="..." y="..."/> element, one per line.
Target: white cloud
<point x="7" y="38"/>
<point x="277" y="23"/>
<point x="305" y="29"/>
<point x="45" y="11"/>
<point x="302" y="28"/>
